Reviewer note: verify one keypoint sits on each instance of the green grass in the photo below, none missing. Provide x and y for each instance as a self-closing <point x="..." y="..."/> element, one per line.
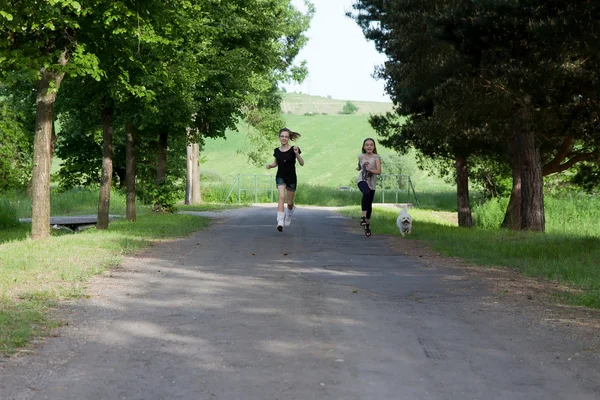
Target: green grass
<point x="19" y="232"/>
<point x="20" y="322"/>
<point x="308" y="194"/>
<point x="35" y="275"/>
<point x="569" y="252"/>
<point x="73" y="202"/>
<point x="570" y="215"/>
<point x="329" y="143"/>
<point x="209" y="207"/>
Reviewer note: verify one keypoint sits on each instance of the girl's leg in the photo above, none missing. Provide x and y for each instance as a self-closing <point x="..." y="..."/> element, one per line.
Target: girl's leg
<point x="290" y="200"/>
<point x="281" y="189"/>
<point x="371" y="197"/>
<point x="280" y="213"/>
<point x="289" y="211"/>
<point x="366" y="196"/>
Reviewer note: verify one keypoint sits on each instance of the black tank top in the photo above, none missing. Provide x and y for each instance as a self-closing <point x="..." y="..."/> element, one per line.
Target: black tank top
<point x="286" y="164"/>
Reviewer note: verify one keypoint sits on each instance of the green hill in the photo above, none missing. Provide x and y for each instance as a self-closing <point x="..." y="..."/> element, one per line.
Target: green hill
<point x="300" y="104"/>
<point x="329" y="143"/>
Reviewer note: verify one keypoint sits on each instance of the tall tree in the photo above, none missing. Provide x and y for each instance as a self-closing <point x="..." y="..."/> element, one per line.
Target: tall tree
<point x="522" y="69"/>
<point x="427" y="80"/>
<point x="539" y="56"/>
<point x="40" y="46"/>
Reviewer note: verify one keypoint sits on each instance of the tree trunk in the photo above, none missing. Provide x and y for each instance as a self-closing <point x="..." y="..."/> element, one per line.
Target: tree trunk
<point x="512" y="217"/>
<point x="130" y="173"/>
<point x="107" y="168"/>
<point x="42" y="151"/>
<point x="462" y="189"/>
<point x="196" y="196"/>
<point x="532" y="184"/>
<point x="188" y="176"/>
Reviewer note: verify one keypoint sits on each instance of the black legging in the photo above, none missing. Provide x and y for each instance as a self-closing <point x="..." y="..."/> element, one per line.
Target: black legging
<point x="367" y="198"/>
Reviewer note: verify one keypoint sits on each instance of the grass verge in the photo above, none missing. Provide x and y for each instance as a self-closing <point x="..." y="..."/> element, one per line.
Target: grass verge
<point x="36" y="275"/>
<point x="570" y="259"/>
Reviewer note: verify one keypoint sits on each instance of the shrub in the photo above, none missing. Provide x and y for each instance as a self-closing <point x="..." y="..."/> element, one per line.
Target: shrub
<point x="490" y="214"/>
<point x="349" y="108"/>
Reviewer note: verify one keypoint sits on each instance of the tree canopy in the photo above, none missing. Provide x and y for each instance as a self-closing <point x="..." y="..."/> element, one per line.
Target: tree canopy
<point x="174" y="73"/>
<point x="503" y="82"/>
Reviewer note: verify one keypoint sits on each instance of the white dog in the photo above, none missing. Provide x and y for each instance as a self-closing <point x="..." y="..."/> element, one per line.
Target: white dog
<point x="404" y="222"/>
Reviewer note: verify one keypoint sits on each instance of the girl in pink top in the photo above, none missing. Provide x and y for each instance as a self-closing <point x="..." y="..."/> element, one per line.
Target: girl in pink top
<point x="369" y="165"/>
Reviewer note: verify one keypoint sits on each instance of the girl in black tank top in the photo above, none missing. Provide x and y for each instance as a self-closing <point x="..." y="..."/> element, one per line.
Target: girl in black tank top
<point x="285" y="157"/>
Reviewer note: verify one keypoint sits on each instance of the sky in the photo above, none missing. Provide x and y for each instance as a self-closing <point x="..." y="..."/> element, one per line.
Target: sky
<point x="340" y="60"/>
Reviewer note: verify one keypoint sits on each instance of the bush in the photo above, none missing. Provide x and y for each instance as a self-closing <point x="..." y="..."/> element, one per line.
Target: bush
<point x="490" y="214"/>
<point x="349" y="108"/>
<point x="164" y="197"/>
<point x="8" y="215"/>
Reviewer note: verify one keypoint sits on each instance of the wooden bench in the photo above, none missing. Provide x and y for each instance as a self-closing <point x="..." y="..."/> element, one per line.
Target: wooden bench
<point x="75" y="223"/>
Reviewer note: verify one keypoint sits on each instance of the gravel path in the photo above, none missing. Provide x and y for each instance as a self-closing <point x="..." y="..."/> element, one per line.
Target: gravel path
<point x="241" y="311"/>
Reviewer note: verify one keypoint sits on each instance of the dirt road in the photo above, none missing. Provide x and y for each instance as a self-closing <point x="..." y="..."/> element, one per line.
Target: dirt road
<point x="241" y="311"/>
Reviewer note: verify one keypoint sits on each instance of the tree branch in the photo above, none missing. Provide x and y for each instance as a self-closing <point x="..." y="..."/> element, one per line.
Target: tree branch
<point x="563" y="152"/>
<point x="552" y="168"/>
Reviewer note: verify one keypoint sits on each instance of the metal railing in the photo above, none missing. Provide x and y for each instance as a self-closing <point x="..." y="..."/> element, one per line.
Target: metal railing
<point x="259" y="184"/>
<point x="262" y="187"/>
<point x="396" y="183"/>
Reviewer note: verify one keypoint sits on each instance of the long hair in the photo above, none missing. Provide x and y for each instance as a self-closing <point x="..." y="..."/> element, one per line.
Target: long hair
<point x="293" y="135"/>
<point x="374" y="146"/>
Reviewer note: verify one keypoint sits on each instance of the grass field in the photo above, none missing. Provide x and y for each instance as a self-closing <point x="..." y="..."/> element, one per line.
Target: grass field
<point x="329" y="143"/>
<point x="300" y="104"/>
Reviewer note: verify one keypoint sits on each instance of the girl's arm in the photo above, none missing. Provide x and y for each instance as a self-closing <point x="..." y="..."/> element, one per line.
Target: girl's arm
<point x="358" y="168"/>
<point x="298" y="156"/>
<point x="377" y="169"/>
<point x="273" y="164"/>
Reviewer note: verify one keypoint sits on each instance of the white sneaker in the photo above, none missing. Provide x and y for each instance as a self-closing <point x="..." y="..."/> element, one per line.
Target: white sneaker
<point x="280" y="221"/>
<point x="288" y="215"/>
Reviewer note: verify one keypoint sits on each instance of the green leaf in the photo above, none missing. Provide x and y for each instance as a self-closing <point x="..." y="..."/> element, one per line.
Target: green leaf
<point x="6" y="15"/>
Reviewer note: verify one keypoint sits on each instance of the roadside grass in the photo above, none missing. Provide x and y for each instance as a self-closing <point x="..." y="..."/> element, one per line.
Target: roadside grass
<point x="20" y="322"/>
<point x="36" y="275"/>
<point x="210" y="207"/>
<point x="72" y="202"/>
<point x="316" y="195"/>
<point x="19" y="232"/>
<point x="575" y="214"/>
<point x="568" y="253"/>
<point x="80" y="201"/>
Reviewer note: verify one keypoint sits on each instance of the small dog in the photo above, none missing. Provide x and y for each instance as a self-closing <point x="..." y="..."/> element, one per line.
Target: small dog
<point x="404" y="222"/>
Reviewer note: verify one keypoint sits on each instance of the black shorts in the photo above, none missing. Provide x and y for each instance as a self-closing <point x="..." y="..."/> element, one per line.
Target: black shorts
<point x="291" y="186"/>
